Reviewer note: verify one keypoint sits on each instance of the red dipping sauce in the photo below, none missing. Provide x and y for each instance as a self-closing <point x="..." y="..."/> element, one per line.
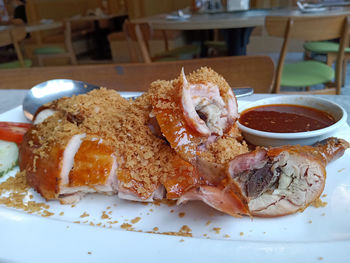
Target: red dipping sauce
<point x="285" y="118"/>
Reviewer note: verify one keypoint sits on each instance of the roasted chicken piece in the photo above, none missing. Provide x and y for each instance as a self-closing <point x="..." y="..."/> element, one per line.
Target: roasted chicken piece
<point x="63" y="159"/>
<point x="196" y="115"/>
<point x="69" y="169"/>
<point x="267" y="182"/>
<point x="207" y="108"/>
<point x="284" y="180"/>
<point x="95" y="143"/>
<point x="193" y="110"/>
<point x="102" y="143"/>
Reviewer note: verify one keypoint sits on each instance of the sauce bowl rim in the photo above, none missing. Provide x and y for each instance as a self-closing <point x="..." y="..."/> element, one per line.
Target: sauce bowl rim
<point x="292" y="135"/>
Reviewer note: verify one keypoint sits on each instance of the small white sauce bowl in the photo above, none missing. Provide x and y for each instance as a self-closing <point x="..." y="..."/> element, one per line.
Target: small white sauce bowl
<point x="263" y="138"/>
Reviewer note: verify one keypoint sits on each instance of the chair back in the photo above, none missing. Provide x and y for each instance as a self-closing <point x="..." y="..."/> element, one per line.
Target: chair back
<point x="247" y="71"/>
<point x="309" y="28"/>
<point x="13" y="35"/>
<point x="141" y="34"/>
<point x="68" y="41"/>
<point x="57" y="10"/>
<point x="306" y="28"/>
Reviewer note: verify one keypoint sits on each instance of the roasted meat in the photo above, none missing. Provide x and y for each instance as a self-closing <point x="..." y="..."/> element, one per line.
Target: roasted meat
<point x="178" y="140"/>
<point x="267" y="182"/>
<point x="284" y="180"/>
<point x="95" y="143"/>
<point x="192" y="110"/>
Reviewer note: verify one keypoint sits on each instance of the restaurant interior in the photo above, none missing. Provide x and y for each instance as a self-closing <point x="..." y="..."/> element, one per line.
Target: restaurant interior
<point x="61" y="33"/>
<point x="176" y="130"/>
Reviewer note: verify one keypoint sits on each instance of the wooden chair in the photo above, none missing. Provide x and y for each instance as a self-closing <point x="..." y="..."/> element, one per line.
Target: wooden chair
<point x="142" y="33"/>
<point x="308" y="73"/>
<point x="13" y="35"/>
<point x="330" y="50"/>
<point x="58" y="52"/>
<point x="247" y="71"/>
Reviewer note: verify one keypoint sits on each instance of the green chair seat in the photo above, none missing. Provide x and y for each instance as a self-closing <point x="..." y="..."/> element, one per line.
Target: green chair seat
<point x="15" y="64"/>
<point x="49" y="50"/>
<point x="323" y="47"/>
<point x="306" y="73"/>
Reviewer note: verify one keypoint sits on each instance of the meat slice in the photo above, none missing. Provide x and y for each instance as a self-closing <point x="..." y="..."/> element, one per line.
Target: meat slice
<point x="68" y="170"/>
<point x="93" y="170"/>
<point x="207" y="108"/>
<point x="284" y="180"/>
<point x="192" y="108"/>
<point x="43" y="115"/>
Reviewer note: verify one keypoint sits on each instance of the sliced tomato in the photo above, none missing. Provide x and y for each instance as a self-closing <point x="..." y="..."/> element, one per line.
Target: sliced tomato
<point x="13" y="131"/>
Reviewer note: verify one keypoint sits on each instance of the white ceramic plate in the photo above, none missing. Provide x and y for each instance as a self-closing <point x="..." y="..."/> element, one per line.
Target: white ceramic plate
<point x="314" y="235"/>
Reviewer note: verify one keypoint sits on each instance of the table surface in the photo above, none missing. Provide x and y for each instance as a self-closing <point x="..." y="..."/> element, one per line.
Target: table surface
<point x="37" y="26"/>
<point x="10" y="99"/>
<point x="43" y="26"/>
<point x="56" y="24"/>
<point x="236" y="19"/>
<point x="94" y="17"/>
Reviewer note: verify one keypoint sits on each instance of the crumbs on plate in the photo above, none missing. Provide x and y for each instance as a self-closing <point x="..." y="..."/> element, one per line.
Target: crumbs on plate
<point x="217" y="230"/>
<point x="318" y="203"/>
<point x="14" y="193"/>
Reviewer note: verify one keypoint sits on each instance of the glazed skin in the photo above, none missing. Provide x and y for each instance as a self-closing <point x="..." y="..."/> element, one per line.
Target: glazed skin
<point x="53" y="174"/>
<point x="48" y="183"/>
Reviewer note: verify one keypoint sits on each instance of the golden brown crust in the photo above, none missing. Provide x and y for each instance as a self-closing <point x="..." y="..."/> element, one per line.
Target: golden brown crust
<point x="143" y="159"/>
<point x="224" y="149"/>
<point x="42" y="172"/>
